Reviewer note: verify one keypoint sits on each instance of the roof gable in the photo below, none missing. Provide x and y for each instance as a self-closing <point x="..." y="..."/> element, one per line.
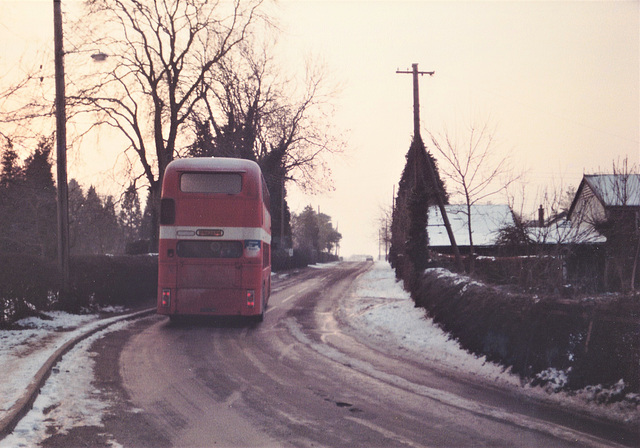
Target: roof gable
<point x="615" y="190"/>
<point x="611" y="190"/>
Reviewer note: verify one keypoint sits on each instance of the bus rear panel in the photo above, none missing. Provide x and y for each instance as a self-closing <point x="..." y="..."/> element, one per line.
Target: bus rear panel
<point x="215" y="234"/>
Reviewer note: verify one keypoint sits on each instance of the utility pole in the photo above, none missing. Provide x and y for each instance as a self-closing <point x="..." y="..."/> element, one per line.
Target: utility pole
<point x="416" y="97"/>
<point x="61" y="150"/>
<point x="282" y="246"/>
<point x="416" y="135"/>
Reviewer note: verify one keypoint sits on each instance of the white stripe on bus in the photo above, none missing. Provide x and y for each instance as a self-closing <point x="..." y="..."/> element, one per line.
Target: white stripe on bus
<point x="229" y="233"/>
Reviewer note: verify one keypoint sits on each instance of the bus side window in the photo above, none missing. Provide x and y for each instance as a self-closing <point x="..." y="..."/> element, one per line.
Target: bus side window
<point x="266" y="259"/>
<point x="167" y="211"/>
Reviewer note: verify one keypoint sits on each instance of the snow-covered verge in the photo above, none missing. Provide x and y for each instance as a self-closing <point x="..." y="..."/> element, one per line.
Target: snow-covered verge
<point x="66" y="400"/>
<point x="384" y="315"/>
<point x="26" y="348"/>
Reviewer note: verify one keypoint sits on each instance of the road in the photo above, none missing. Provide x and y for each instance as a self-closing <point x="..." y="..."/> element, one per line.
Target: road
<point x="302" y="378"/>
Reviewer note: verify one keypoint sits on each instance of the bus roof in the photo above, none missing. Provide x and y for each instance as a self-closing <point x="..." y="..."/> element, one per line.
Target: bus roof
<point x="213" y="164"/>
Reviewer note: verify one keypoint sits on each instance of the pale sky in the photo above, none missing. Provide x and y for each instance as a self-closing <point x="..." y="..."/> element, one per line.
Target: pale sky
<point x="558" y="79"/>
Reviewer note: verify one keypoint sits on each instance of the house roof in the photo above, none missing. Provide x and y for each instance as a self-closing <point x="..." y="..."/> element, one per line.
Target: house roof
<point x="561" y="231"/>
<point x="611" y="190"/>
<point x="486" y="222"/>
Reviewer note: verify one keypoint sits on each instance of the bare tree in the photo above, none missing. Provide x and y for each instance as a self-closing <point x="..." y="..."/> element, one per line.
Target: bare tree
<point x="23" y="101"/>
<point x="383" y="228"/>
<point x="163" y="51"/>
<point x="251" y="109"/>
<point x="475" y="168"/>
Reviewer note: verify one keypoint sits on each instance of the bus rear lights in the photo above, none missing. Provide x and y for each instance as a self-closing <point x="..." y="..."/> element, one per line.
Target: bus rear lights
<point x="165" y="300"/>
<point x="251" y="302"/>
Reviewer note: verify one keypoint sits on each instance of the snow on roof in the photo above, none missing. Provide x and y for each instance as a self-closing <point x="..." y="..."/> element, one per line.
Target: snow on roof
<point x="486" y="222"/>
<point x="616" y="189"/>
<point x="562" y="232"/>
<point x="213" y="163"/>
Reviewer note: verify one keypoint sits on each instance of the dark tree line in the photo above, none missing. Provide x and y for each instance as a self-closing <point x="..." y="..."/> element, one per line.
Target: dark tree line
<point x="28" y="202"/>
<point x="28" y="213"/>
<point x="314" y="234"/>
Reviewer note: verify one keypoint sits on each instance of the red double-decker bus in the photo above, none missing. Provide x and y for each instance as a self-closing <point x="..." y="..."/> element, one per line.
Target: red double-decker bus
<point x="215" y="239"/>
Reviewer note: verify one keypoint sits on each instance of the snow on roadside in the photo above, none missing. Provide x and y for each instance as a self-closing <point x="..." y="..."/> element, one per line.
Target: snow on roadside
<point x="383" y="315"/>
<point x="323" y="265"/>
<point x="23" y="352"/>
<point x="66" y="400"/>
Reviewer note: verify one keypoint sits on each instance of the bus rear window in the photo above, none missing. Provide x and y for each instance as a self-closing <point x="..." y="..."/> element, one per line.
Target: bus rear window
<point x="225" y="183"/>
<point x="209" y="249"/>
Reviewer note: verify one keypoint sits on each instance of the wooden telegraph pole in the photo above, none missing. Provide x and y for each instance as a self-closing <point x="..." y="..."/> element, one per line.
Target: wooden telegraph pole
<point x="416" y="96"/>
<point x="416" y="135"/>
<point x="61" y="150"/>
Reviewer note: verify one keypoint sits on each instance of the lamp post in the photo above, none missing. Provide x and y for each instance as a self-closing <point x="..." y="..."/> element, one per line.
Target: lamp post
<point x="61" y="150"/>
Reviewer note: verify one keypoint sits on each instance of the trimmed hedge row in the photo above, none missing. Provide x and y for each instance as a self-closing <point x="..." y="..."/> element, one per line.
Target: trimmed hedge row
<point x="596" y="340"/>
<point x="31" y="284"/>
<point x="27" y="284"/>
<point x="114" y="280"/>
<point x="533" y="273"/>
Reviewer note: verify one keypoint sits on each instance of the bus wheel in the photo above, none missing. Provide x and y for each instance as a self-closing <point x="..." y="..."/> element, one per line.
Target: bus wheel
<point x="260" y="317"/>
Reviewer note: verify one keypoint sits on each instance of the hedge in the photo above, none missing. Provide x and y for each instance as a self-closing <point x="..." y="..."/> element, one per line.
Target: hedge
<point x="31" y="284"/>
<point x="595" y="339"/>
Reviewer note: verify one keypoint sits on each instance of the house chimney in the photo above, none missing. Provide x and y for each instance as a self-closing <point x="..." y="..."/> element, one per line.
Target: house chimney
<point x="541" y="216"/>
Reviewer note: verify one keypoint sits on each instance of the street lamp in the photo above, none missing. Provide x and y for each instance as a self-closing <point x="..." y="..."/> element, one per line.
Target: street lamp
<point x="61" y="150"/>
<point x="99" y="56"/>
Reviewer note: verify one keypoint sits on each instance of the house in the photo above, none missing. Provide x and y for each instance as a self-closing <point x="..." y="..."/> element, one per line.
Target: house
<point x="598" y="198"/>
<point x="486" y="222"/>
<point x="606" y="210"/>
<point x="559" y="230"/>
<point x="606" y="197"/>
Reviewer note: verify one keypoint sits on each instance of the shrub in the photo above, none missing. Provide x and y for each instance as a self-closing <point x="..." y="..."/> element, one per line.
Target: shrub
<point x="114" y="280"/>
<point x="594" y="340"/>
<point x="29" y="284"/>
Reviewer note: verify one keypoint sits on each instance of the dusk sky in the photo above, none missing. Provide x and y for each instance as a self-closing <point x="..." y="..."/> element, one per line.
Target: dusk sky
<point x="559" y="81"/>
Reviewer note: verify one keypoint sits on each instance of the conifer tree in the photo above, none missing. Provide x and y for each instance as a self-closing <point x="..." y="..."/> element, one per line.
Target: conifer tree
<point x="10" y="191"/>
<point x="409" y="240"/>
<point x="11" y="171"/>
<point x="307" y="231"/>
<point x="130" y="217"/>
<point x="38" y="213"/>
<point x="110" y="235"/>
<point x="76" y="201"/>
